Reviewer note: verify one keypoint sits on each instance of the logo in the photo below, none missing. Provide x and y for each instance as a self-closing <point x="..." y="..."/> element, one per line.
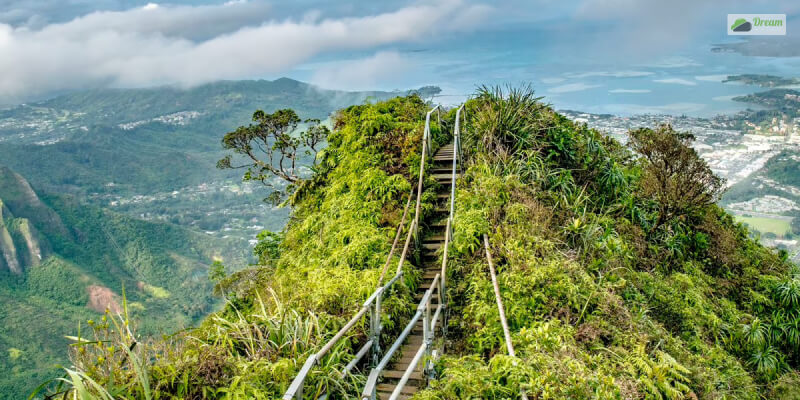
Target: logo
<point x="741" y="25"/>
<point x="756" y="24"/>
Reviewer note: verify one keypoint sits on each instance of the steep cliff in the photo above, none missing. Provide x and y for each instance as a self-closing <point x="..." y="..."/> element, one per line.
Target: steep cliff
<point x="9" y="251"/>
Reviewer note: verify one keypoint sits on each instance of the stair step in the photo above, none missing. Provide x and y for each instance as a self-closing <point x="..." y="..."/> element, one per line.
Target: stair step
<point x="435" y="238"/>
<point x="434" y="297"/>
<point x="388" y="395"/>
<point x="395" y="374"/>
<point x="426" y="286"/>
<point x="432" y="246"/>
<point x="431" y="274"/>
<point x="388" y="387"/>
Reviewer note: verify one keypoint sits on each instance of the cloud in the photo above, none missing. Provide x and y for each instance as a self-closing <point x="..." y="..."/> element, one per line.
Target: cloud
<point x="772" y="46"/>
<point x="572" y="87"/>
<point x="552" y="81"/>
<point x="630" y="91"/>
<point x="674" y="62"/>
<point x="611" y="74"/>
<point x="676" y="81"/>
<point x="194" y="45"/>
<point x="647" y="28"/>
<point x="728" y="97"/>
<point x="711" y="78"/>
<point x="382" y="69"/>
<point x="634" y="109"/>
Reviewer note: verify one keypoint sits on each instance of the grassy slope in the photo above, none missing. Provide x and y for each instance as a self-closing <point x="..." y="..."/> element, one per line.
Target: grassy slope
<point x="598" y="307"/>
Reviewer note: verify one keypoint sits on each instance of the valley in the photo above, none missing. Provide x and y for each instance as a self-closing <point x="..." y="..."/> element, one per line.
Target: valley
<point x="757" y="156"/>
<point x="111" y="193"/>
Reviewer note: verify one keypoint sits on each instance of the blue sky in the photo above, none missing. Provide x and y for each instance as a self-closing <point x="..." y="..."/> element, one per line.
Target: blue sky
<point x="597" y="55"/>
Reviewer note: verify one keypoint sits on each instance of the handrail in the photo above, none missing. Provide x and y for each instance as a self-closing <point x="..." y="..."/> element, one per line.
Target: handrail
<point x="396" y="238"/>
<point x="500" y="308"/>
<point x="424" y="308"/>
<point x="373" y="303"/>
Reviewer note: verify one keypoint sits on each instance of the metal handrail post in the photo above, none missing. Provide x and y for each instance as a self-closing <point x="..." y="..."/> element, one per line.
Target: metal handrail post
<point x="427" y="330"/>
<point x="499" y="300"/>
<point x="375" y="330"/>
<point x="448" y="236"/>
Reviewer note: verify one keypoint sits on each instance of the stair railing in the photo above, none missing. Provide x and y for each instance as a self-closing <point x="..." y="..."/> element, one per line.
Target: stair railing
<point x="425" y="309"/>
<point x="500" y="308"/>
<point x="373" y="303"/>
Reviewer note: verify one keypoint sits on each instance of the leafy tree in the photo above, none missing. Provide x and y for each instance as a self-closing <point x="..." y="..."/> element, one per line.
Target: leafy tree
<point x="268" y="247"/>
<point x="674" y="176"/>
<point x="271" y="148"/>
<point x="216" y="272"/>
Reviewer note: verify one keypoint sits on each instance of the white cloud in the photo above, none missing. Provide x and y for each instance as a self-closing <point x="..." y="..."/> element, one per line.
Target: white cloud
<point x="552" y="81"/>
<point x="160" y="45"/>
<point x="383" y="68"/>
<point x="629" y="91"/>
<point x="676" y="81"/>
<point x="611" y="74"/>
<point x="634" y="109"/>
<point x="711" y="78"/>
<point x="572" y="87"/>
<point x="728" y="97"/>
<point x="674" y="62"/>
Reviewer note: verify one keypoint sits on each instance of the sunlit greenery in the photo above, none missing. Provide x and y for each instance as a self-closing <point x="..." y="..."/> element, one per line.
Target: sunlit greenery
<point x="609" y="294"/>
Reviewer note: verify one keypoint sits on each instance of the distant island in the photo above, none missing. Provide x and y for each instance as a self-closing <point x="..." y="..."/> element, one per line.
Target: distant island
<point x="767" y="81"/>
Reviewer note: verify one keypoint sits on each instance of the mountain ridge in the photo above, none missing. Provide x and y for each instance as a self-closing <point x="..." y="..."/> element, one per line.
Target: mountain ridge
<point x="62" y="262"/>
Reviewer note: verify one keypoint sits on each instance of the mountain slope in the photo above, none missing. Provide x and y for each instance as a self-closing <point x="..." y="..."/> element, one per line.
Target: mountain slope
<point x="151" y="153"/>
<point x="64" y="262"/>
<point x="617" y="282"/>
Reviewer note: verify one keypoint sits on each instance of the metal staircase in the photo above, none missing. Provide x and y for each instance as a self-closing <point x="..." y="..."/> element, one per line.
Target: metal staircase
<point x="431" y="245"/>
<point x="412" y="353"/>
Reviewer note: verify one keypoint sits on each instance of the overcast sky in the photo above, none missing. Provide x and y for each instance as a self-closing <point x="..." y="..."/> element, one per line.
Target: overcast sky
<point x="51" y="46"/>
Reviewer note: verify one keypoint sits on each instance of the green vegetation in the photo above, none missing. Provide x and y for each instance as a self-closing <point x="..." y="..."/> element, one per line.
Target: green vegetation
<point x="769" y="81"/>
<point x="87" y="250"/>
<point x="778" y="103"/>
<point x="779" y="227"/>
<point x="129" y="153"/>
<point x="273" y="148"/>
<point x="620" y="277"/>
<point x="783" y="168"/>
<point x="150" y="153"/>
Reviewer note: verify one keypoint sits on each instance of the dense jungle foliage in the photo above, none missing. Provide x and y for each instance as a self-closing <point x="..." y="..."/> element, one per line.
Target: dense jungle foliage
<point x="67" y="253"/>
<point x="620" y="276"/>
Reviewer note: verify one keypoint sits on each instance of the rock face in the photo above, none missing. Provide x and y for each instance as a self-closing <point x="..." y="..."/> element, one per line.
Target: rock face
<point x="20" y="243"/>
<point x="102" y="298"/>
<point x="22" y="200"/>
<point x="29" y="235"/>
<point x="7" y="247"/>
<point x="21" y="212"/>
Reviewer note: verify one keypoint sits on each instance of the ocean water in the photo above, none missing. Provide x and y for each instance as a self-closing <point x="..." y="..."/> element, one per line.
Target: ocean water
<point x="571" y="70"/>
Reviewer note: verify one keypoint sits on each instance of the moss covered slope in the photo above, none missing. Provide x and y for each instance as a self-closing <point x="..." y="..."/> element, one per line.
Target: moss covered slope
<point x="619" y="281"/>
<point x="606" y="297"/>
